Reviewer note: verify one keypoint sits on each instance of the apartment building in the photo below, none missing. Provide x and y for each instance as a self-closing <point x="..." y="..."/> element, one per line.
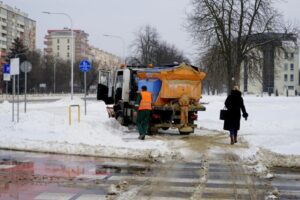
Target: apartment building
<point x="106" y="60"/>
<point x="14" y="23"/>
<point x="58" y="44"/>
<point x="279" y="67"/>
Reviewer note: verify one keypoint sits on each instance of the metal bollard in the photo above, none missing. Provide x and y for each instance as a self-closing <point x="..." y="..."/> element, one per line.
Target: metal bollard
<point x="70" y="113"/>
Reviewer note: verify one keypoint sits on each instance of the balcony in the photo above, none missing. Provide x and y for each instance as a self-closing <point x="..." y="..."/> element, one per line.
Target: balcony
<point x="3" y="31"/>
<point x="48" y="42"/>
<point x="2" y="53"/>
<point x="3" y="39"/>
<point x="3" y="46"/>
<point x="20" y="29"/>
<point x="3" y="16"/>
<point x="21" y="22"/>
<point x="48" y="50"/>
<point x="3" y="23"/>
<point x="47" y="37"/>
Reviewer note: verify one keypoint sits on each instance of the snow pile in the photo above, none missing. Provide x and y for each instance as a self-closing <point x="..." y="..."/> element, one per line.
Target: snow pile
<point x="272" y="129"/>
<point x="45" y="127"/>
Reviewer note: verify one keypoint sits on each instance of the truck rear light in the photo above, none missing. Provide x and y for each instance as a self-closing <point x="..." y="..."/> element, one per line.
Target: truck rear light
<point x="155" y="116"/>
<point x="194" y="116"/>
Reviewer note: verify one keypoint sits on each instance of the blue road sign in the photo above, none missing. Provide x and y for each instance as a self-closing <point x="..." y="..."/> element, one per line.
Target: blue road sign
<point x="85" y="66"/>
<point x="6" y="69"/>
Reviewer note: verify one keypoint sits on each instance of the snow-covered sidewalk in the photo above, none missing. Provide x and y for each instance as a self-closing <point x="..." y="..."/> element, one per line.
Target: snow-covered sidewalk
<point x="273" y="125"/>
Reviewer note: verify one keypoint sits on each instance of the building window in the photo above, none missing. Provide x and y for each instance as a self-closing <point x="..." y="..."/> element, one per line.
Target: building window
<point x="292" y="55"/>
<point x="285" y="77"/>
<point x="68" y="47"/>
<point x="292" y="67"/>
<point x="292" y="77"/>
<point x="286" y="55"/>
<point x="68" y="40"/>
<point x="68" y="54"/>
<point x="57" y="54"/>
<point x="57" y="41"/>
<point x="57" y="47"/>
<point x="285" y="67"/>
<point x="290" y="87"/>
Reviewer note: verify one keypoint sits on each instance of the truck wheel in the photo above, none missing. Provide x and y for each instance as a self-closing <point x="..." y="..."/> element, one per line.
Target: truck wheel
<point x="120" y="119"/>
<point x="152" y="130"/>
<point x="186" y="130"/>
<point x="165" y="128"/>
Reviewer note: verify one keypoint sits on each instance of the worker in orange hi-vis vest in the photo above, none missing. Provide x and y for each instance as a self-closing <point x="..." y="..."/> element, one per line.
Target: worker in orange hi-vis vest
<point x="144" y="105"/>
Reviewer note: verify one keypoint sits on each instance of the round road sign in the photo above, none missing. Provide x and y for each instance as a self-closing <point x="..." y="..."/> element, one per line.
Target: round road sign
<point x="26" y="66"/>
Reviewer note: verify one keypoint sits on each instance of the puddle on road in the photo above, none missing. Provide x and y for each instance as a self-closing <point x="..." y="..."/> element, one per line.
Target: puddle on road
<point x="125" y="169"/>
<point x="25" y="175"/>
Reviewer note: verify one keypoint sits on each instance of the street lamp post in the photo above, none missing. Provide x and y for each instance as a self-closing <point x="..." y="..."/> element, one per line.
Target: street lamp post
<point x="72" y="47"/>
<point x="123" y="43"/>
<point x="54" y="73"/>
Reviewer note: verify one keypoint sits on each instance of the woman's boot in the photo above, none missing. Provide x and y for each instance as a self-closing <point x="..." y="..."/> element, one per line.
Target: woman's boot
<point x="235" y="138"/>
<point x="231" y="139"/>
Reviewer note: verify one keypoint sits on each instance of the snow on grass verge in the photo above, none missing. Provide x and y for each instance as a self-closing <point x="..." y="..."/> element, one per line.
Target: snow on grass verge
<point x="271" y="131"/>
<point x="45" y="128"/>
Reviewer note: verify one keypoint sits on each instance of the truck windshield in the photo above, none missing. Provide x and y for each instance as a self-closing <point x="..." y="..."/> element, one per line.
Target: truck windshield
<point x="104" y="78"/>
<point x="119" y="81"/>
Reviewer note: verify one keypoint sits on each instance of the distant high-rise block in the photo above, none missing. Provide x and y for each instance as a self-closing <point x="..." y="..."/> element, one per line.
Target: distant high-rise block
<point x="58" y="44"/>
<point x="14" y="23"/>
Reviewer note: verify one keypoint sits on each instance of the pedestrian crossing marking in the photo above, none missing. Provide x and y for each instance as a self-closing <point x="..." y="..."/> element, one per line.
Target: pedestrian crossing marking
<point x="160" y="179"/>
<point x="174" y="189"/>
<point x="91" y="197"/>
<point x="54" y="196"/>
<point x="7" y="166"/>
<point x="160" y="198"/>
<point x="87" y="176"/>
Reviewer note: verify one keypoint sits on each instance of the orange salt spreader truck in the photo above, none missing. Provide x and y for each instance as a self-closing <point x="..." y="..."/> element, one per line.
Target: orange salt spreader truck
<point x="176" y="93"/>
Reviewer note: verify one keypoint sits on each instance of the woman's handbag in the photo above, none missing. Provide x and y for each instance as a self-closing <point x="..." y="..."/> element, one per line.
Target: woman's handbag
<point x="223" y="113"/>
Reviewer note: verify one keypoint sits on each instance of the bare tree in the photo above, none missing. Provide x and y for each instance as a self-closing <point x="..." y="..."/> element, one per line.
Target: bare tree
<point x="166" y="54"/>
<point x="150" y="49"/>
<point x="235" y="26"/>
<point x="212" y="62"/>
<point x="146" y="43"/>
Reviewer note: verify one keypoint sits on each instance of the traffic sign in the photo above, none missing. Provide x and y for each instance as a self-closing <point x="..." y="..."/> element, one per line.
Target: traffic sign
<point x="85" y="65"/>
<point x="6" y="72"/>
<point x="26" y="66"/>
<point x="14" y="66"/>
<point x="6" y="69"/>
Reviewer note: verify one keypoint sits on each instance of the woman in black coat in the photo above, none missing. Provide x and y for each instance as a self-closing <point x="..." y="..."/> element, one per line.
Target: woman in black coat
<point x="234" y="104"/>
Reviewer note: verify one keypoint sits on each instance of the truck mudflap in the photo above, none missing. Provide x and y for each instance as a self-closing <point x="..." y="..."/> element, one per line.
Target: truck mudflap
<point x="169" y="125"/>
<point x="177" y="108"/>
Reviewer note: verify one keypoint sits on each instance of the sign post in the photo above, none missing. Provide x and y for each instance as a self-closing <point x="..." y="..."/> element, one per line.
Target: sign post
<point x="85" y="66"/>
<point x="25" y="67"/>
<point x="14" y="70"/>
<point x="6" y="76"/>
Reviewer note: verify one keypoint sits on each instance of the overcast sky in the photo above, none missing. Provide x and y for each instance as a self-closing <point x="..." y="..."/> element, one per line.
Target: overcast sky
<point x="122" y="18"/>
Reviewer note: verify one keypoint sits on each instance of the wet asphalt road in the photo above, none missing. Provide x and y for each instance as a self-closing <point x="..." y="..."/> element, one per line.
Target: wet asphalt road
<point x="221" y="176"/>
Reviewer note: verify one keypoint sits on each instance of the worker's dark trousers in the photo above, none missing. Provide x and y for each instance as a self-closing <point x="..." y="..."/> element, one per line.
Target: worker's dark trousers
<point x="142" y="121"/>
